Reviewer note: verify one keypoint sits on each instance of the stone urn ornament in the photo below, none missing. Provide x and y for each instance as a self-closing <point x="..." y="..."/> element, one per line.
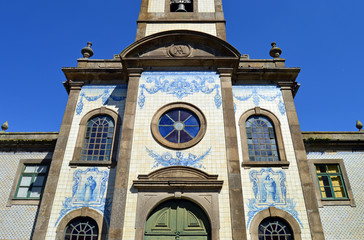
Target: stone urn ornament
<point x="87" y="52"/>
<point x="275" y="52"/>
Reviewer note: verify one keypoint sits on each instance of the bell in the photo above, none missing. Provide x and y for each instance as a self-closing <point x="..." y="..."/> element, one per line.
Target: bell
<point x="181" y="8"/>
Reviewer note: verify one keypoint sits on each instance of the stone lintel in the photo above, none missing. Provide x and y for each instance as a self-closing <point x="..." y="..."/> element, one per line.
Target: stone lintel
<point x="178" y="184"/>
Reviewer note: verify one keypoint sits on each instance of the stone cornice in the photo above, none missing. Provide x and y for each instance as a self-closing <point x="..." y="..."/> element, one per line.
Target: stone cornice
<point x="333" y="141"/>
<point x="28" y="141"/>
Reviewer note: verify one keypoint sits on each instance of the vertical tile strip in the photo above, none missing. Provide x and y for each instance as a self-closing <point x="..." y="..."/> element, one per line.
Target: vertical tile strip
<point x="303" y="168"/>
<point x="237" y="216"/>
<point x="45" y="208"/>
<point x="123" y="165"/>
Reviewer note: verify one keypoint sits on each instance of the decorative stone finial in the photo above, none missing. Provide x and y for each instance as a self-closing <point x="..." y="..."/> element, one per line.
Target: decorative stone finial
<point x="275" y="52"/>
<point x="5" y="126"/>
<point x="359" y="125"/>
<point x="87" y="52"/>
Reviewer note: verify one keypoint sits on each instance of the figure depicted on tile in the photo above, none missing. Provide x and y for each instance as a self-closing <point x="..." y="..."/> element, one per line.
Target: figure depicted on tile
<point x="88" y="191"/>
<point x="269" y="188"/>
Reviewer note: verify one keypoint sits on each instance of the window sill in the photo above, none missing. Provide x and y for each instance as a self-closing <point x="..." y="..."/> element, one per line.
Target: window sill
<point x="75" y="163"/>
<point x="341" y="202"/>
<point x="23" y="202"/>
<point x="282" y="164"/>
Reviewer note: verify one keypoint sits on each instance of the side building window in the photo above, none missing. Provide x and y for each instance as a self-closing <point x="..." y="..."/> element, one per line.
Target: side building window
<point x="97" y="140"/>
<point x="261" y="139"/>
<point x="331" y="182"/>
<point x="29" y="182"/>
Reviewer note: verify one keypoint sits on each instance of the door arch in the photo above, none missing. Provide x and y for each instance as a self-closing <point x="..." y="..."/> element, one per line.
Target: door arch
<point x="177" y="219"/>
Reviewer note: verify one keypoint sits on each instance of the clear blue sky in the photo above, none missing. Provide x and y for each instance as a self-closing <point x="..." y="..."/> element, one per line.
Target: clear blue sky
<point x="325" y="38"/>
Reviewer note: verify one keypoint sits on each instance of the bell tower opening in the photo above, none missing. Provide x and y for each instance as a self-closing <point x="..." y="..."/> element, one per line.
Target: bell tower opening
<point x="205" y="16"/>
<point x="181" y="5"/>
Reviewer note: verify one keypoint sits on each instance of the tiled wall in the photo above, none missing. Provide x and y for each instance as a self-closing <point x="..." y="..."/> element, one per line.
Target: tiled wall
<point x="70" y="194"/>
<point x="16" y="221"/>
<point x="206" y="6"/>
<point x="345" y="222"/>
<point x="201" y="89"/>
<point x="156" y="6"/>
<point x="209" y="28"/>
<point x="269" y="97"/>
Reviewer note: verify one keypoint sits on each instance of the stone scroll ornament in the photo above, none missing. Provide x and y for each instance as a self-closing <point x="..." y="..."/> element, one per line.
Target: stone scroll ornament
<point x="167" y="159"/>
<point x="258" y="93"/>
<point x="108" y="94"/>
<point x="88" y="191"/>
<point x="179" y="85"/>
<point x="269" y="188"/>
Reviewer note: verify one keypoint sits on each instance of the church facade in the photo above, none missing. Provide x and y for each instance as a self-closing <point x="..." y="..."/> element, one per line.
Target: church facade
<point x="181" y="137"/>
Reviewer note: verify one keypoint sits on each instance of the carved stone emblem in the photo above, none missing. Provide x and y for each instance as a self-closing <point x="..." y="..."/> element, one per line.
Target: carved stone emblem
<point x="179" y="50"/>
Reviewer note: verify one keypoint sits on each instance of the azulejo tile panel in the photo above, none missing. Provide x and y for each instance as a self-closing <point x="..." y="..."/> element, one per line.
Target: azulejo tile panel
<point x="179" y="85"/>
<point x="269" y="188"/>
<point x="257" y="93"/>
<point x="108" y="94"/>
<point x="166" y="159"/>
<point x="88" y="191"/>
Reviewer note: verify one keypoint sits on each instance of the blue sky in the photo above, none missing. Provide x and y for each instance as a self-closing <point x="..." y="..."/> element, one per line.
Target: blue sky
<point x="325" y="38"/>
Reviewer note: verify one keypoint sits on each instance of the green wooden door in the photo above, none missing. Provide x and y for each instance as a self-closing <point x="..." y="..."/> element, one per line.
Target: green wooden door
<point x="177" y="220"/>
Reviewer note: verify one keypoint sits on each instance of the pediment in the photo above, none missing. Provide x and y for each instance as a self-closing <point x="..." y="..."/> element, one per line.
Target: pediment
<point x="180" y="44"/>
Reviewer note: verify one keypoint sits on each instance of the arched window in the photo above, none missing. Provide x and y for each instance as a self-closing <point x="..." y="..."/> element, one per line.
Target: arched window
<point x="261" y="139"/>
<point x="82" y="228"/>
<point x="98" y="139"/>
<point x="274" y="229"/>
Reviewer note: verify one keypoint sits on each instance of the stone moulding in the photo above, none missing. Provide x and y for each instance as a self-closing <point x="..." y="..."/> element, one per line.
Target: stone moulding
<point x="178" y="177"/>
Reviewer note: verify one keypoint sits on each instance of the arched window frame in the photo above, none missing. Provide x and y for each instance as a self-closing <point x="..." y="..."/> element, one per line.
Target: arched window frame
<point x="81" y="136"/>
<point x="273" y="212"/>
<point x="278" y="134"/>
<point x="82" y="212"/>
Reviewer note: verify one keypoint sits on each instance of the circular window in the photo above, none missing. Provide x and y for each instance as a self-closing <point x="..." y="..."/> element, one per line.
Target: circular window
<point x="178" y="125"/>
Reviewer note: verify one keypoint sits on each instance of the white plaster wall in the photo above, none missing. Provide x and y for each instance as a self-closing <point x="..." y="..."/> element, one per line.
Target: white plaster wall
<point x="206" y="5"/>
<point x="293" y="183"/>
<point x="214" y="163"/>
<point x="156" y="6"/>
<point x="65" y="182"/>
<point x="209" y="28"/>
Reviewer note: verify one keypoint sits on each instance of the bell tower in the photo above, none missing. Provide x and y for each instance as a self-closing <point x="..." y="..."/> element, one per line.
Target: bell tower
<point x="198" y="15"/>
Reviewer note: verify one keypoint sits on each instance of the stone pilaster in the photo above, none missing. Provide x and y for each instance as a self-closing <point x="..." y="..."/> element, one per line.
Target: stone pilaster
<point x="303" y="168"/>
<point x="237" y="216"/>
<point x="123" y="165"/>
<point x="45" y="208"/>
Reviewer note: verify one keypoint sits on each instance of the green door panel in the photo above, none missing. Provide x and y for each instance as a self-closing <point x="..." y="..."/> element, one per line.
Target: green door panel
<point x="177" y="219"/>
